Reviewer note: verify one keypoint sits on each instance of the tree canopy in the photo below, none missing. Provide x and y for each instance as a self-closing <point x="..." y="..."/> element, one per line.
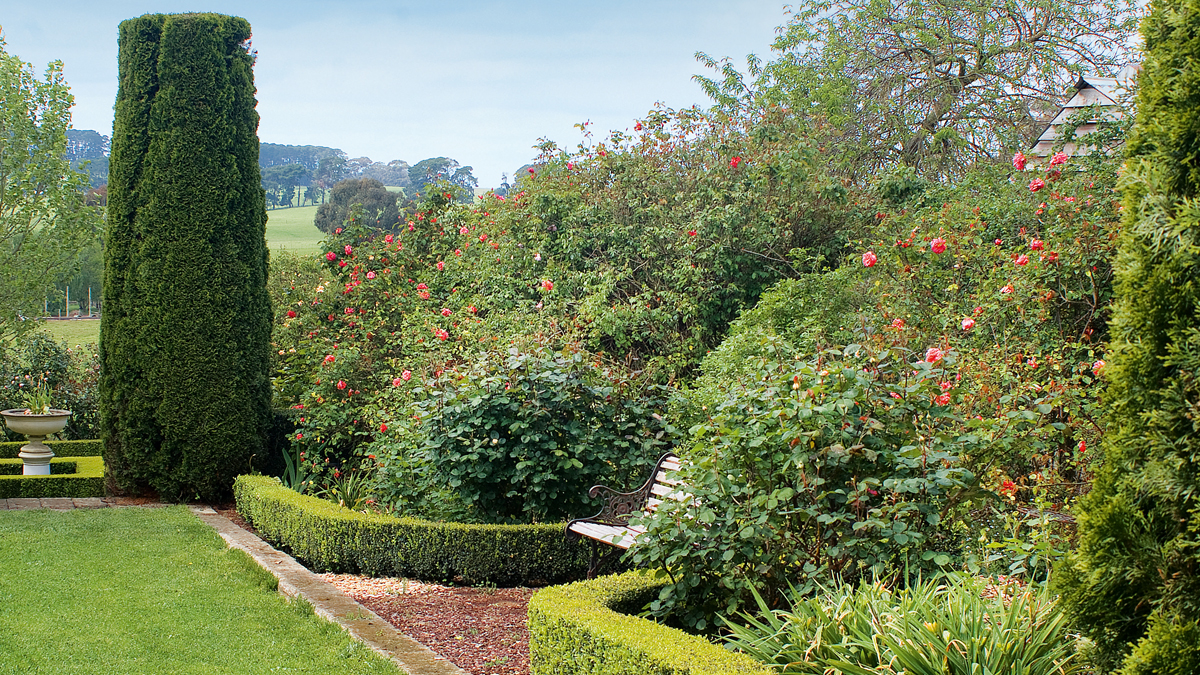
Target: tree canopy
<point x="930" y="84"/>
<point x="43" y="218"/>
<point x="378" y="204"/>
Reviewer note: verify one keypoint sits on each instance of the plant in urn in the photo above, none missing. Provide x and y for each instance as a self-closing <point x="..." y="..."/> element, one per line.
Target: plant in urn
<point x="36" y="420"/>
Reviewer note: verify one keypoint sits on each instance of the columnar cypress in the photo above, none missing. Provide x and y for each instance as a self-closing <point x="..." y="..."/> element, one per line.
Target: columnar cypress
<point x="1133" y="585"/>
<point x="185" y="336"/>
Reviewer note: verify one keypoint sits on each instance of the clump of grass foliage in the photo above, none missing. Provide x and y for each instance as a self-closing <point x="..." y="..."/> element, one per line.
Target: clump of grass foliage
<point x="942" y="626"/>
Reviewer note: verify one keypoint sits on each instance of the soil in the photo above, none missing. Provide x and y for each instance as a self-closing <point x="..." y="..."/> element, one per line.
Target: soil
<point x="481" y="630"/>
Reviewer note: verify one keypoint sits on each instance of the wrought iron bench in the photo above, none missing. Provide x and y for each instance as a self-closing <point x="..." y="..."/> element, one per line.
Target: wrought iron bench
<point x="611" y="526"/>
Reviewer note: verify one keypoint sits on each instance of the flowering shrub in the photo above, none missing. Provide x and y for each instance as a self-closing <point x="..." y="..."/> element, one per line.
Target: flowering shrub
<point x="520" y="434"/>
<point x="835" y="467"/>
<point x="1021" y="291"/>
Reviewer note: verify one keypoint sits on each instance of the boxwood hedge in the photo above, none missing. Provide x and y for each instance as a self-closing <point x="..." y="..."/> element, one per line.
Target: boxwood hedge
<point x="586" y="627"/>
<point x="58" y="466"/>
<point x="87" y="481"/>
<point x="328" y="537"/>
<point x="92" y="448"/>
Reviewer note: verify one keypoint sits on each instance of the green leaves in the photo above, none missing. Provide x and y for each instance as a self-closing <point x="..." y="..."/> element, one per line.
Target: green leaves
<point x="43" y="220"/>
<point x="940" y="626"/>
<point x="834" y="466"/>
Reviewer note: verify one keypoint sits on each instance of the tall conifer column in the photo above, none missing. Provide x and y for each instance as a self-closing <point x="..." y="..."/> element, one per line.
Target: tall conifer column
<point x="1133" y="585"/>
<point x="185" y="335"/>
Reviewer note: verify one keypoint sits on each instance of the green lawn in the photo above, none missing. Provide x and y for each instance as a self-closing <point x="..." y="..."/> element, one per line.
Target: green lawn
<point x="75" y="331"/>
<point x="293" y="229"/>
<point x="151" y="591"/>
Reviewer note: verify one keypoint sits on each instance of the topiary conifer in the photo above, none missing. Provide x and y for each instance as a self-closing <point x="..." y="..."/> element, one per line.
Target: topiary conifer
<point x="185" y="335"/>
<point x="1133" y="584"/>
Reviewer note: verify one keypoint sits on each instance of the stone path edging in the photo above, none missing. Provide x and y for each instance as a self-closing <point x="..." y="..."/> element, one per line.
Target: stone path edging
<point x="294" y="579"/>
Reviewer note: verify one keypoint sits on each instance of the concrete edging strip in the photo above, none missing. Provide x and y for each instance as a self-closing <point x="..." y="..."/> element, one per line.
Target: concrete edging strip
<point x="366" y="626"/>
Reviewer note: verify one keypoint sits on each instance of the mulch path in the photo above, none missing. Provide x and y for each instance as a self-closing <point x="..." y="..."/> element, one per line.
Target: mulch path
<point x="481" y="630"/>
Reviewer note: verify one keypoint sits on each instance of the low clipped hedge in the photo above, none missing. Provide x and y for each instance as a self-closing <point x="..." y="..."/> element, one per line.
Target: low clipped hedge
<point x="328" y="537"/>
<point x="91" y="448"/>
<point x="87" y="481"/>
<point x="10" y="467"/>
<point x="587" y="627"/>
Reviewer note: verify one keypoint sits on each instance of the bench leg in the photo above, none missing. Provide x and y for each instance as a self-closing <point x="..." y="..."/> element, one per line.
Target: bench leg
<point x="599" y="560"/>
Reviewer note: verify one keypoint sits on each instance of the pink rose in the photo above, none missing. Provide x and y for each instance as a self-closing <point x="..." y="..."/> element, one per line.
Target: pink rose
<point x="968" y="324"/>
<point x="463" y="230"/>
<point x="547" y="285"/>
<point x="371" y="275"/>
<point x="331" y="256"/>
<point x="441" y="265"/>
<point x="1007" y="289"/>
<point x="1019" y="161"/>
<point x="1022" y="260"/>
<point x="933" y="355"/>
<point x="396" y="382"/>
<point x="978" y="311"/>
<point x="1036" y="184"/>
<point x="406" y="375"/>
<point x="894" y="394"/>
<point x="422" y="287"/>
<point x="938" y="245"/>
<point x="445" y="311"/>
<point x="1058" y="158"/>
<point x="1036" y="245"/>
<point x="349" y="250"/>
<point x="898" y="323"/>
<point x="869" y="259"/>
<point x="1097" y="367"/>
<point x="388" y="239"/>
<point x="441" y="334"/>
<point x="329" y="358"/>
<point x="944" y="399"/>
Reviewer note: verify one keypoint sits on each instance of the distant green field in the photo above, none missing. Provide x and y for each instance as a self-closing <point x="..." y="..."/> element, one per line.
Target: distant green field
<point x="293" y="229"/>
<point x="74" y="331"/>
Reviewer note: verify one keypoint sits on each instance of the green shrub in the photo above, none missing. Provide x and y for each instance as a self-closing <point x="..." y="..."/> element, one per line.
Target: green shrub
<point x="92" y="448"/>
<point x="87" y="481"/>
<point x="185" y="336"/>
<point x="522" y="434"/>
<point x="58" y="467"/>
<point x="327" y="537"/>
<point x="586" y="627"/>
<point x="938" y="626"/>
<point x="810" y="470"/>
<point x="1133" y="584"/>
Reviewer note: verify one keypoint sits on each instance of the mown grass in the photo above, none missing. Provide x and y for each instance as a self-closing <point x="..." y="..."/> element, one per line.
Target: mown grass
<point x="293" y="229"/>
<point x="74" y="331"/>
<point x="151" y="591"/>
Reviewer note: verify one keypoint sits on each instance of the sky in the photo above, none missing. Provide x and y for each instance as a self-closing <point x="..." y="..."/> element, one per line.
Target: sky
<point x="478" y="81"/>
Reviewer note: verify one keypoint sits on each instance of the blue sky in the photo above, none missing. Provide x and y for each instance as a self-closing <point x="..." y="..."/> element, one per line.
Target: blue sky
<point x="478" y="81"/>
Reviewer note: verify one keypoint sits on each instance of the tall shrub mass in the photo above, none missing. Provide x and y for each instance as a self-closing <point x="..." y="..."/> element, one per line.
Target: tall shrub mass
<point x="185" y="392"/>
<point x="1133" y="585"/>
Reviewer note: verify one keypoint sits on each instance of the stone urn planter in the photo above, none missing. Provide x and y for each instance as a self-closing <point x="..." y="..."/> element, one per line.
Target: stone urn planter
<point x="36" y="454"/>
